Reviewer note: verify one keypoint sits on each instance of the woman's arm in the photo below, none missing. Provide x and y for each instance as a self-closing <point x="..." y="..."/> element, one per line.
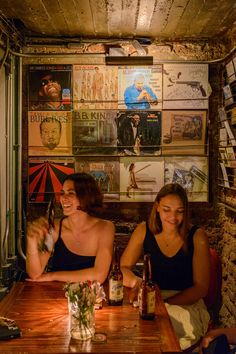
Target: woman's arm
<point x="102" y="262"/>
<point x="37" y="260"/>
<point x="214" y="333"/>
<point x="201" y="273"/>
<point x="131" y="255"/>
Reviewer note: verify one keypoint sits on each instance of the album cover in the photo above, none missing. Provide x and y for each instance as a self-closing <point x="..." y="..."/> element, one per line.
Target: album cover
<point x="228" y="95"/>
<point x="95" y="87"/>
<point x="183" y="131"/>
<point x="224" y="178"/>
<point x="140" y="178"/>
<point x="94" y="132"/>
<point x="231" y="76"/>
<point x="139" y="132"/>
<point x="140" y="87"/>
<point x="49" y="133"/>
<point x="46" y="177"/>
<point x="191" y="173"/>
<point x="49" y="88"/>
<point x="185" y="86"/>
<point x="106" y="173"/>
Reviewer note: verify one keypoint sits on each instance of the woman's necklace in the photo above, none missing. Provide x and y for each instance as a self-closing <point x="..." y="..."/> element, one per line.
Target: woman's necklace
<point x="168" y="241"/>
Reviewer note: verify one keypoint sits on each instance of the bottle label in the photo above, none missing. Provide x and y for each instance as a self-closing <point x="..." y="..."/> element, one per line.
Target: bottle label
<point x="151" y="301"/>
<point x="115" y="290"/>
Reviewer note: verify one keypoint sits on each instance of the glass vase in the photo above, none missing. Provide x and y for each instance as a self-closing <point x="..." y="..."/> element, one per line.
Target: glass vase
<point x="82" y="323"/>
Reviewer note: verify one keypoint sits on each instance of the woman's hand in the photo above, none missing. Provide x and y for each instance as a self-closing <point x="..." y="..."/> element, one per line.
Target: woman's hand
<point x="133" y="293"/>
<point x="205" y="342"/>
<point x="43" y="277"/>
<point x="37" y="231"/>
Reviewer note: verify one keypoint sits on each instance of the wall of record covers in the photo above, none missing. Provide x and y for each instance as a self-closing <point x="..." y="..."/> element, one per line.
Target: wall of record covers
<point x="133" y="128"/>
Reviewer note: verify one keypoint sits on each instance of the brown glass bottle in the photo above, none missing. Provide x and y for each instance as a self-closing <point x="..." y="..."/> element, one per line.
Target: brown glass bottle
<point x="115" y="296"/>
<point x="147" y="293"/>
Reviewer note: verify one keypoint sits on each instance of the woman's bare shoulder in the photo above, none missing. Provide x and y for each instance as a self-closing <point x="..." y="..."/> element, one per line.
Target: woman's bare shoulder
<point x="140" y="230"/>
<point x="141" y="226"/>
<point x="200" y="236"/>
<point x="105" y="224"/>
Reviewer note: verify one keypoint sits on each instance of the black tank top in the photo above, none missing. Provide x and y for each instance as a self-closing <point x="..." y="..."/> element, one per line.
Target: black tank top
<point x="64" y="259"/>
<point x="170" y="273"/>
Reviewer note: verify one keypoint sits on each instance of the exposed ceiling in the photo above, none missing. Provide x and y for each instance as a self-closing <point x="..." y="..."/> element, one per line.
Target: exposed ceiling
<point x="154" y="20"/>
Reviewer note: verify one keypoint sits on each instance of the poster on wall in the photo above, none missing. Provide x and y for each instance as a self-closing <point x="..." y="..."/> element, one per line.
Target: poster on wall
<point x="94" y="87"/>
<point x="191" y="173"/>
<point x="183" y="132"/>
<point x="94" y="132"/>
<point x="46" y="177"/>
<point x="106" y="173"/>
<point x="140" y="178"/>
<point x="49" y="133"/>
<point x="185" y="86"/>
<point x="138" y="132"/>
<point x="49" y="88"/>
<point x="140" y="87"/>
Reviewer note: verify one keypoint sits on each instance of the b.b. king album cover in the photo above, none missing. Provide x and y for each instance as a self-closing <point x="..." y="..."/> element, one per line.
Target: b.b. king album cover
<point x="94" y="132"/>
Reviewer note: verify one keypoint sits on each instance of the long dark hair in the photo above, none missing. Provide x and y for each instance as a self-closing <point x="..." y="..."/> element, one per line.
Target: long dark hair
<point x="88" y="192"/>
<point x="154" y="221"/>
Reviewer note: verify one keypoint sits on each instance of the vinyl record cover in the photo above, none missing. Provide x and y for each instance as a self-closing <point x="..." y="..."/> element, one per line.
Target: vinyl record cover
<point x="140" y="87"/>
<point x="185" y="86"/>
<point x="105" y="171"/>
<point x="49" y="88"/>
<point x="46" y="177"/>
<point x="191" y="173"/>
<point x="140" y="178"/>
<point x="49" y="133"/>
<point x="95" y="87"/>
<point x="94" y="132"/>
<point x="139" y="132"/>
<point x="183" y="131"/>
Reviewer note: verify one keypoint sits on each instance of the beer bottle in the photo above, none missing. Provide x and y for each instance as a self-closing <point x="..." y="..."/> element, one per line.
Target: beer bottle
<point x="147" y="293"/>
<point x="115" y="281"/>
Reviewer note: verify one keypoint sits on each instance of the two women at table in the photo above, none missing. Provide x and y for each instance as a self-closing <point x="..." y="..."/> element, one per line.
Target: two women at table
<point x="180" y="262"/>
<point x="82" y="242"/>
<point x="83" y="250"/>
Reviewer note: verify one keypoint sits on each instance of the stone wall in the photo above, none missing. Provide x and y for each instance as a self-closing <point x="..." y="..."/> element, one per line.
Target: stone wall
<point x="227" y="246"/>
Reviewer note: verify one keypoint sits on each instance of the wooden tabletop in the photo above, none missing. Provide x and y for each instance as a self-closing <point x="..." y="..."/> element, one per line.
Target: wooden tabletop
<point x="41" y="311"/>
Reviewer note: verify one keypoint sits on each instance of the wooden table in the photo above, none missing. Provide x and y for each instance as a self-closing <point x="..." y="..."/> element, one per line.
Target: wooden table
<point x="40" y="310"/>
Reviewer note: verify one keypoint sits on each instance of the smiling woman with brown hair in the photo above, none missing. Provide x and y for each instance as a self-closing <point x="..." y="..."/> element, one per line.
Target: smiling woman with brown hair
<point x="82" y="242"/>
<point x="180" y="262"/>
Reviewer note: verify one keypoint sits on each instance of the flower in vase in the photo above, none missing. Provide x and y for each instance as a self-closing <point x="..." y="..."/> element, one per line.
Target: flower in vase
<point x="82" y="297"/>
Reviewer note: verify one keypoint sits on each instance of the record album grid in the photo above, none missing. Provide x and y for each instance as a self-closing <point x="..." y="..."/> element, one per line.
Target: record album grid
<point x="133" y="129"/>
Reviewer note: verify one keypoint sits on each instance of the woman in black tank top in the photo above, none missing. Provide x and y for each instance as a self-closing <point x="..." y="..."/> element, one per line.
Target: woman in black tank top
<point x="180" y="262"/>
<point x="82" y="242"/>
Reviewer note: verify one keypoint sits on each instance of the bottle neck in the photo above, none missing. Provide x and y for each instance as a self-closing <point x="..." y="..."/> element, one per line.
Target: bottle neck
<point x="147" y="268"/>
<point x="116" y="258"/>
